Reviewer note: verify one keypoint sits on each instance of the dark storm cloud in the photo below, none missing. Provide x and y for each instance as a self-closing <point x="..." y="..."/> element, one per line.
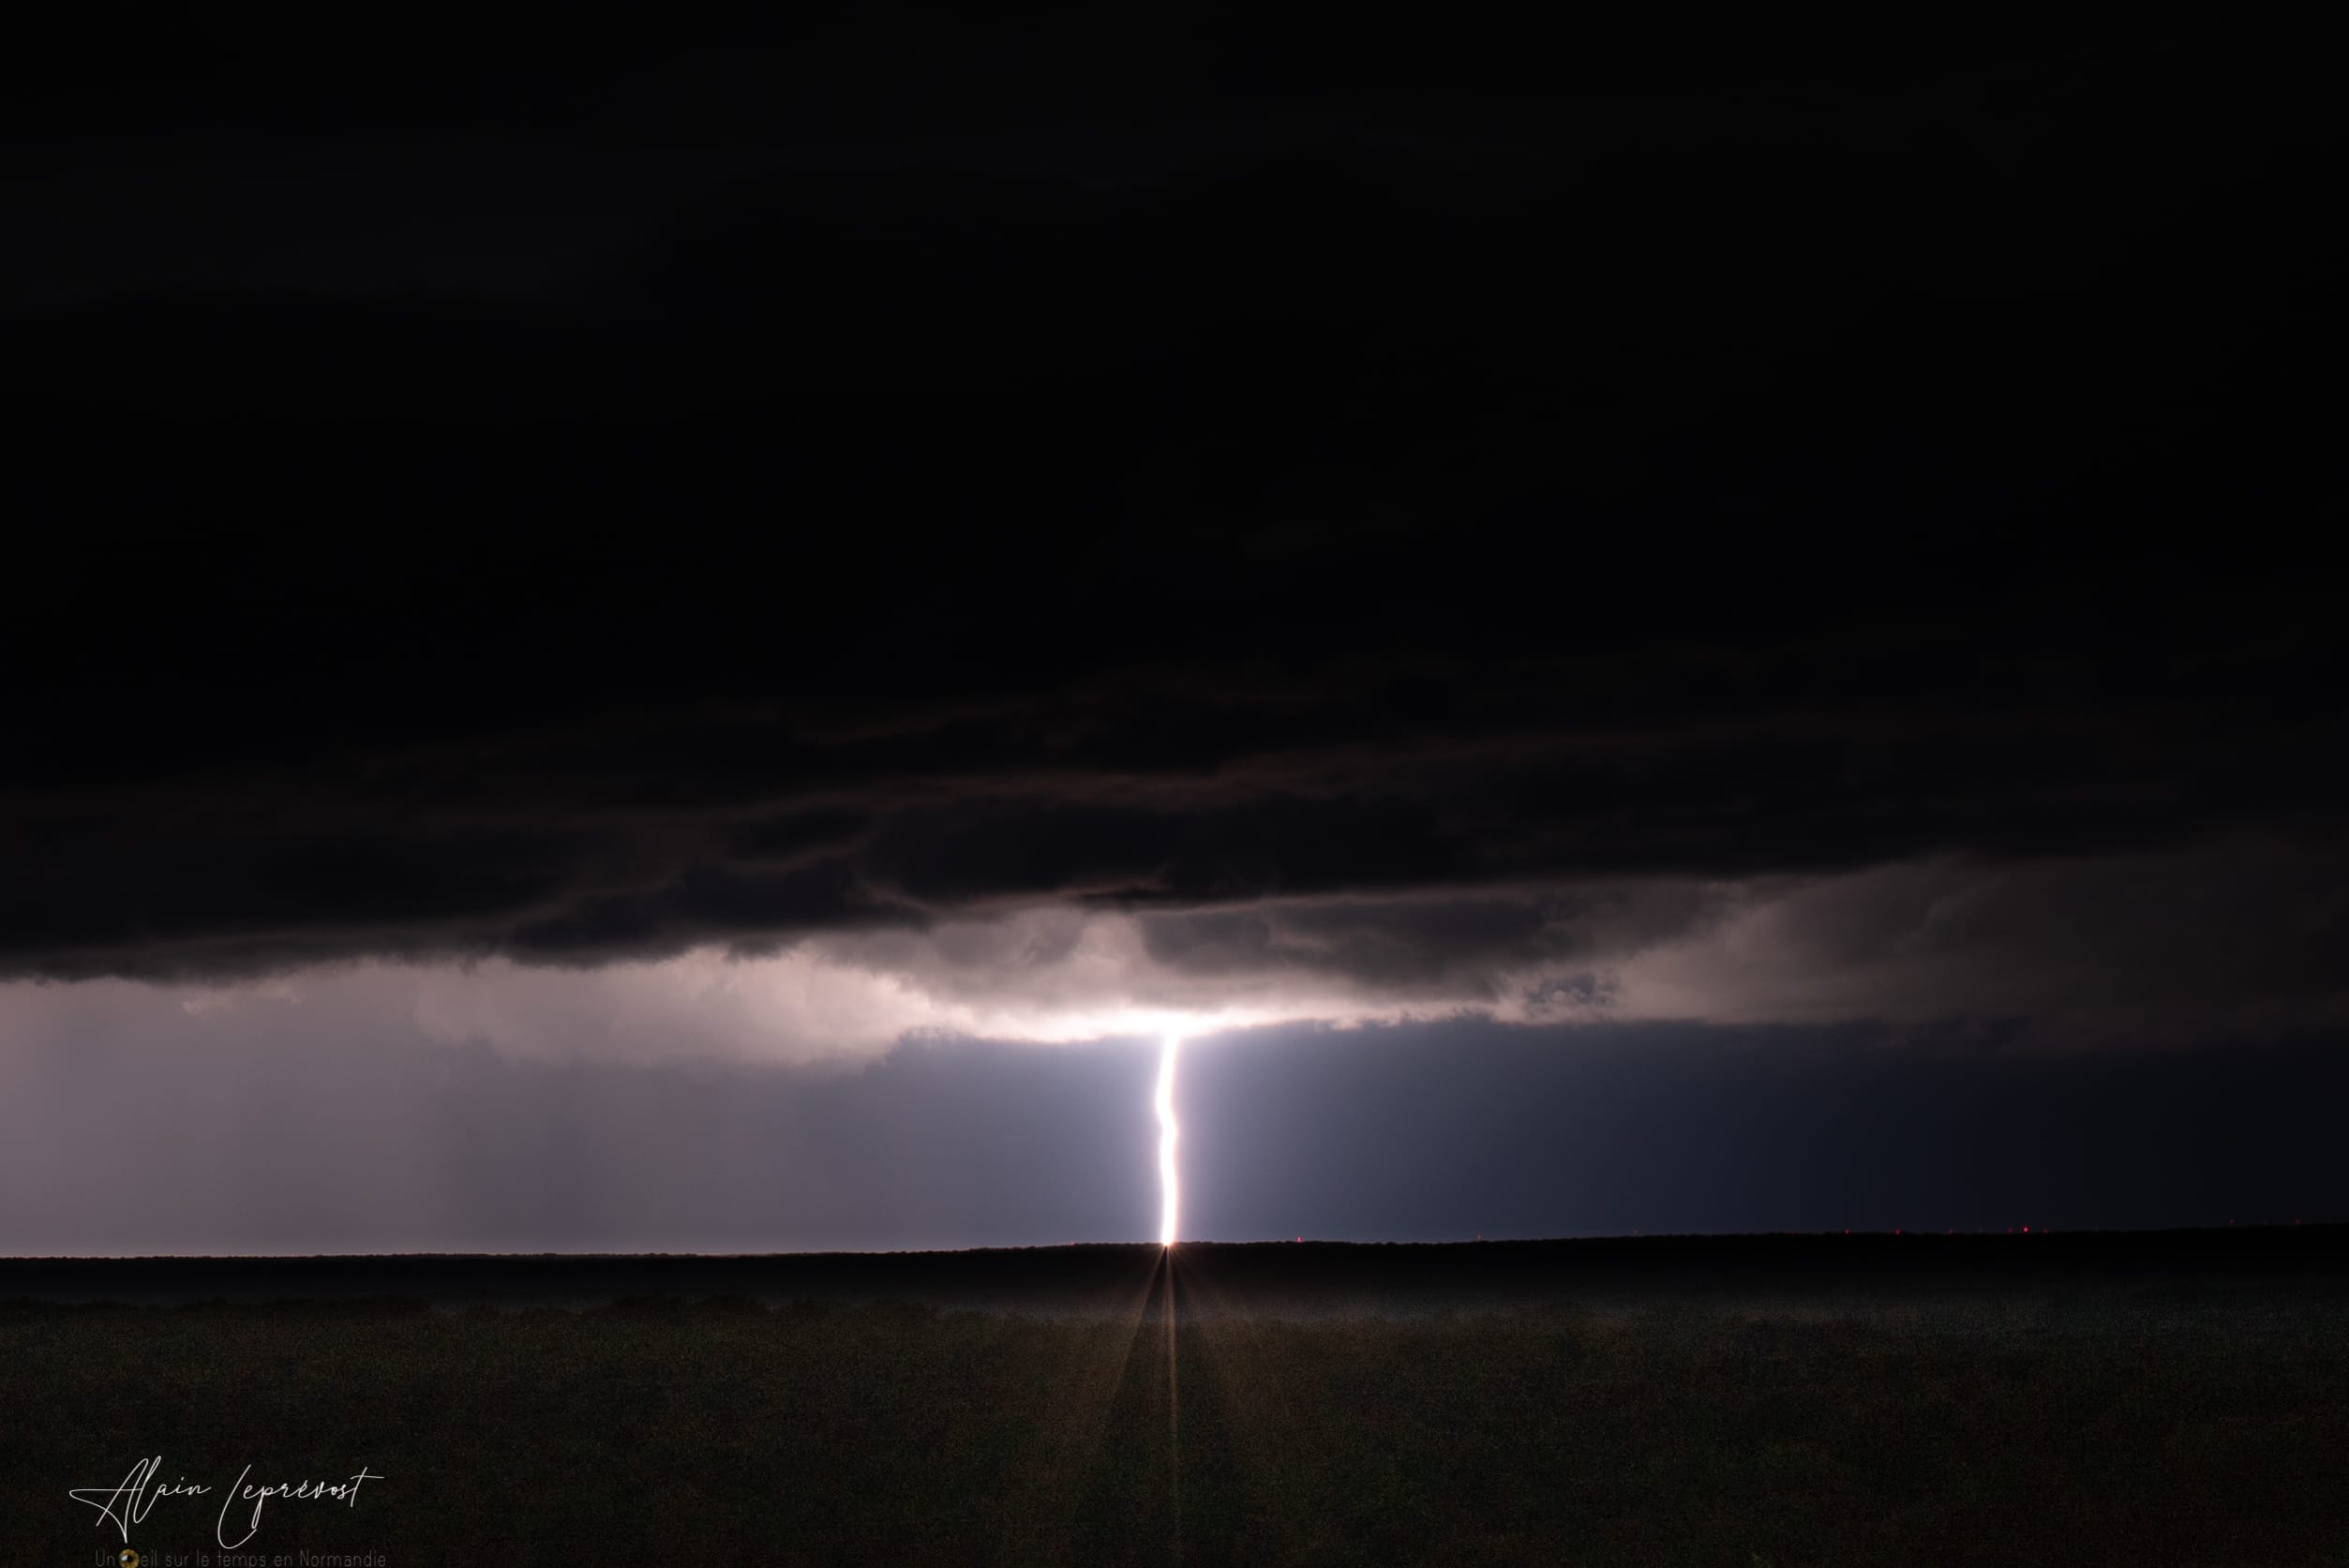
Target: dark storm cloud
<point x="1422" y="943"/>
<point x="1439" y="539"/>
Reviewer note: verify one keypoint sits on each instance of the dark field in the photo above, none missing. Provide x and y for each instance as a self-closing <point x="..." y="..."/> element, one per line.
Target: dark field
<point x="2179" y="1398"/>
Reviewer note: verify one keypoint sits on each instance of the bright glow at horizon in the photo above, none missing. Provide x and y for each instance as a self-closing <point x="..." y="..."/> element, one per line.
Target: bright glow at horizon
<point x="1170" y="1184"/>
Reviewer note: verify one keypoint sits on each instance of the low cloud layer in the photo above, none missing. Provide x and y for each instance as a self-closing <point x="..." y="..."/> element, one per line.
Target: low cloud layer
<point x="2221" y="940"/>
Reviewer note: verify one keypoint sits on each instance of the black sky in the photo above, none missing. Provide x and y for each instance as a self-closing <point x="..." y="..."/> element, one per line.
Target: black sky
<point x="1403" y="509"/>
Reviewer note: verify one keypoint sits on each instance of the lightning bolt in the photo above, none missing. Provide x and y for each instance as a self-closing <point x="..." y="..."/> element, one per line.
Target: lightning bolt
<point x="1170" y="1180"/>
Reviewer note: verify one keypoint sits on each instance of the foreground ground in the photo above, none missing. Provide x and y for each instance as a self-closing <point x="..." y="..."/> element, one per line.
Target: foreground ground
<point x="1995" y="1415"/>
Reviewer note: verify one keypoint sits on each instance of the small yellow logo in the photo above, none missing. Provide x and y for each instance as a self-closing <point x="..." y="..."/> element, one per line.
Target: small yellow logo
<point x="128" y="1559"/>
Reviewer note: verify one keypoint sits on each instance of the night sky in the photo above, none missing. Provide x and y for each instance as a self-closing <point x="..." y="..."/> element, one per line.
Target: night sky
<point x="621" y="644"/>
